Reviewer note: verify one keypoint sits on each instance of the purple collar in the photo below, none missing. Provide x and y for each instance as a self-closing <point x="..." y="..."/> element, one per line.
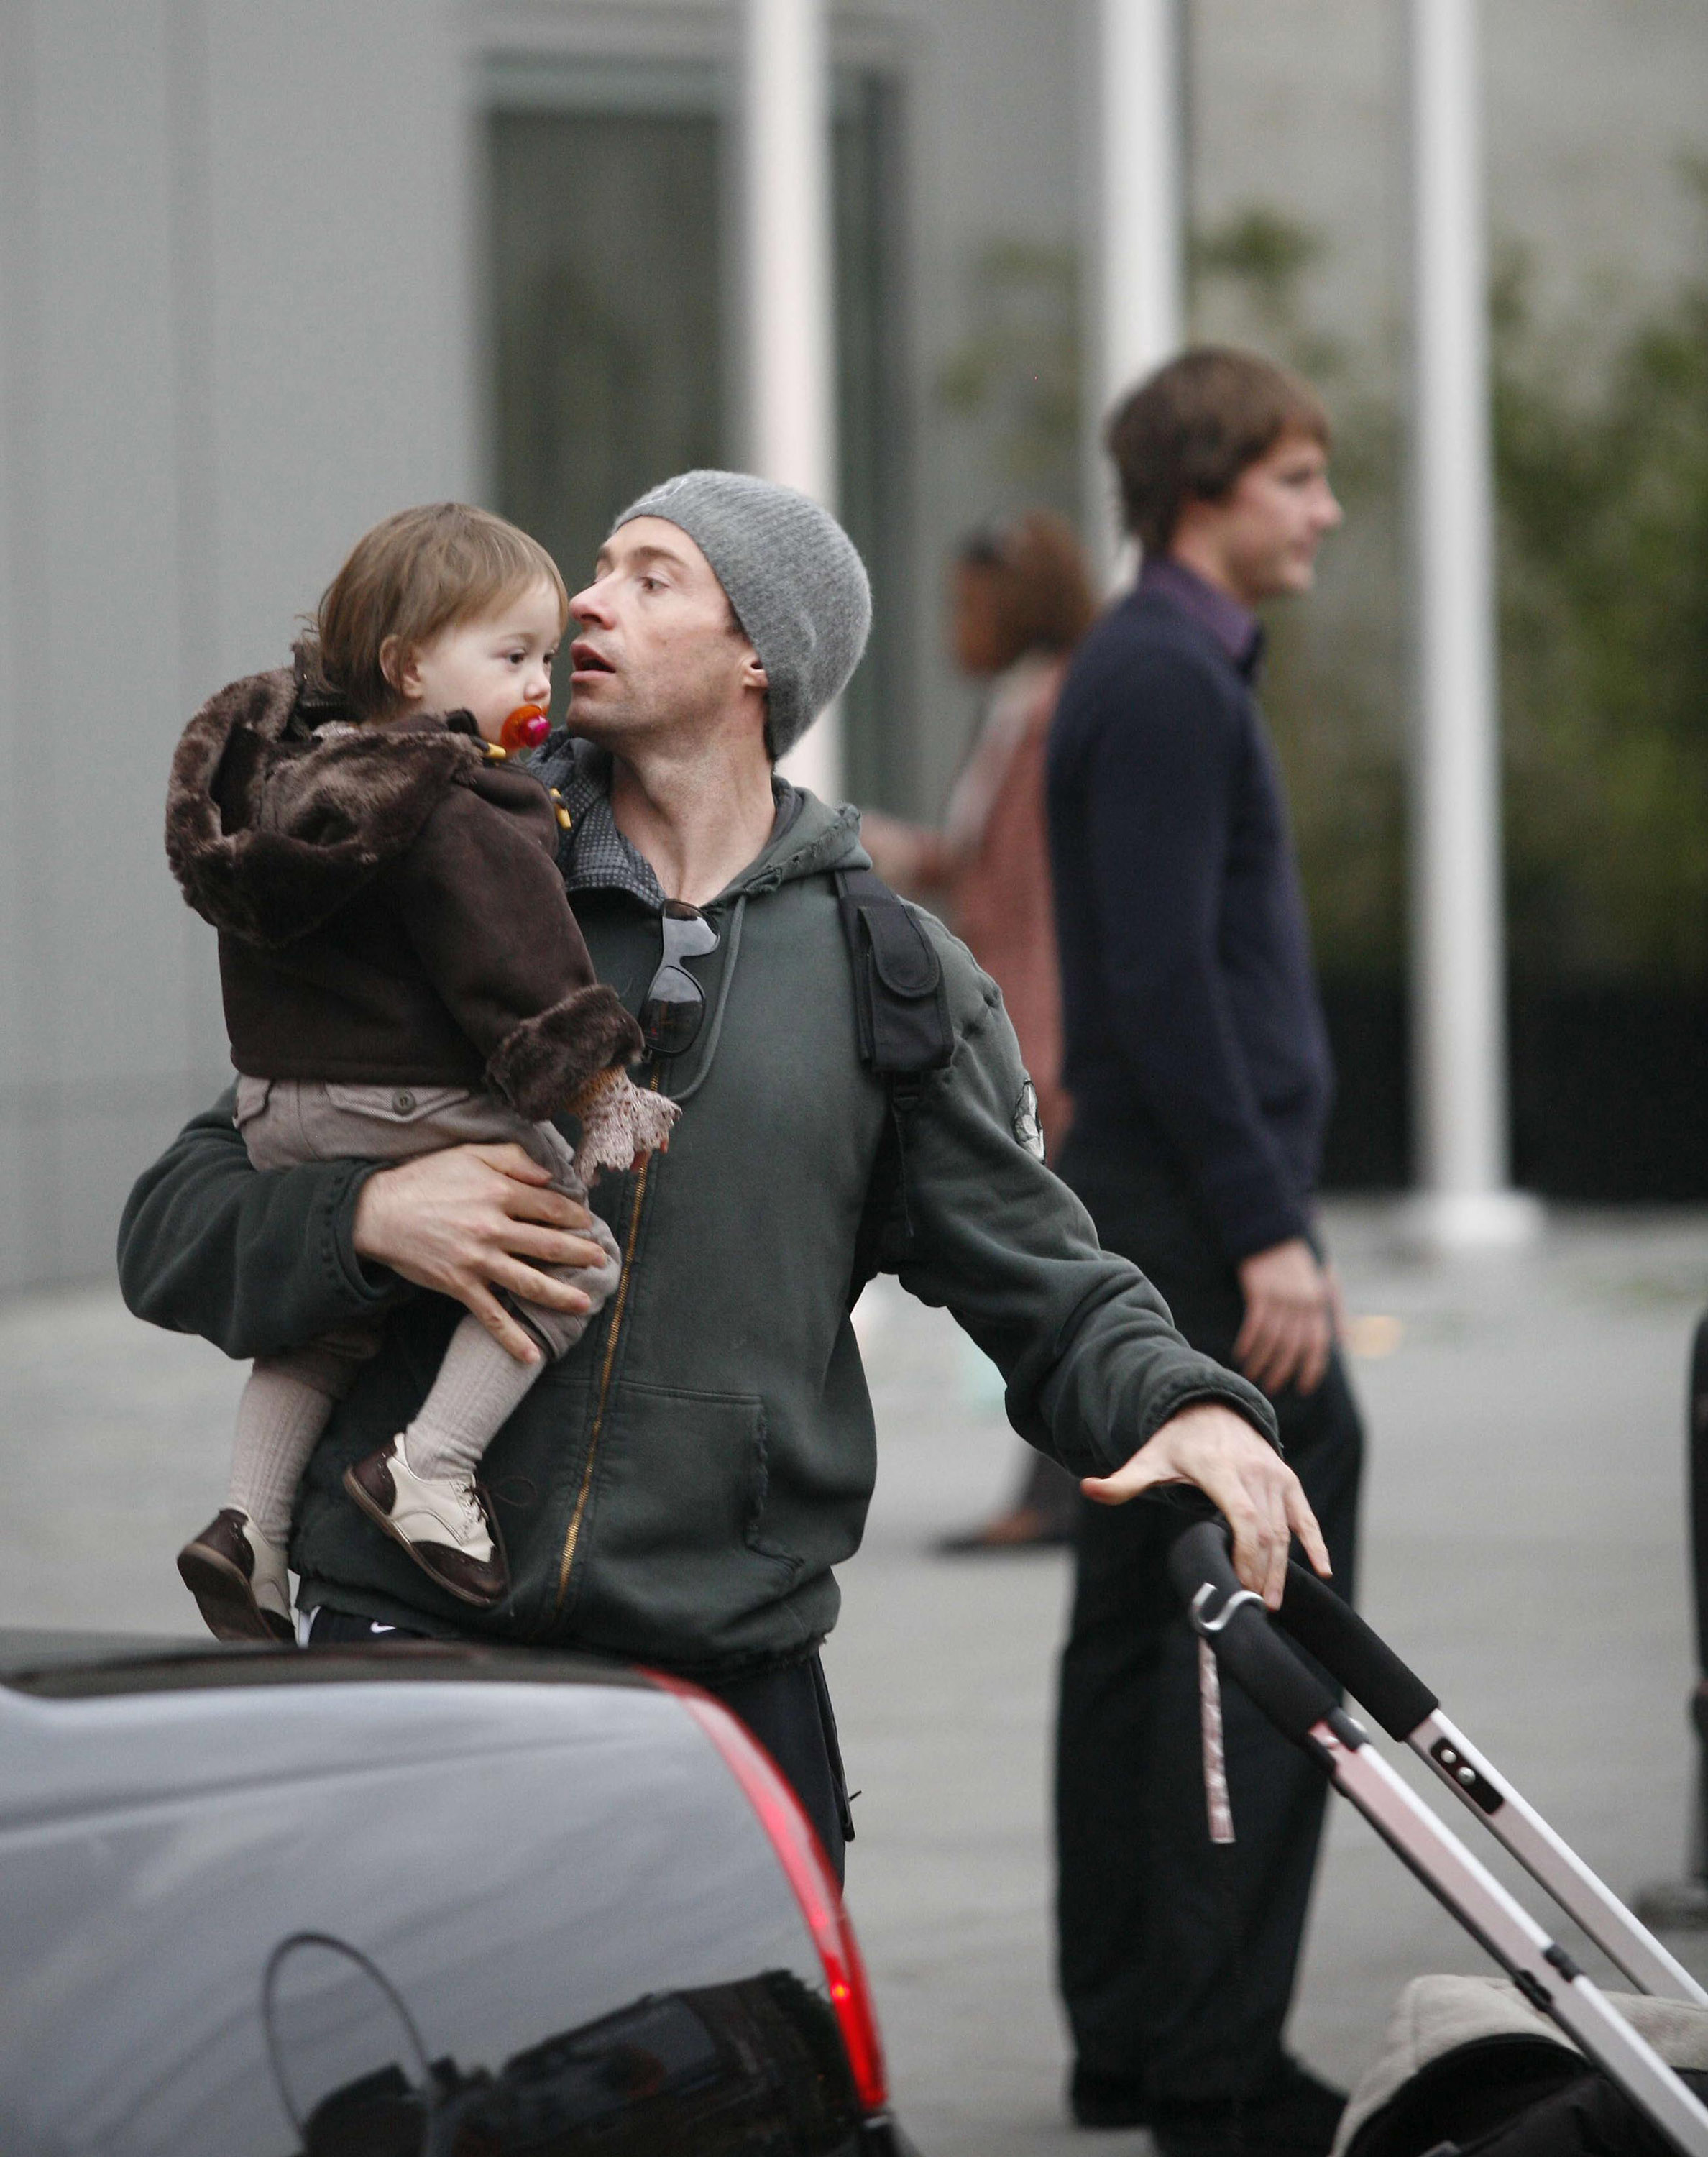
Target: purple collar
<point x="1234" y="627"/>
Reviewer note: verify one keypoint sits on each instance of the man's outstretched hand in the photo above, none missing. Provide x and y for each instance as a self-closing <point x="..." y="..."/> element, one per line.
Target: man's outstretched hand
<point x="473" y="1219"/>
<point x="1244" y="1477"/>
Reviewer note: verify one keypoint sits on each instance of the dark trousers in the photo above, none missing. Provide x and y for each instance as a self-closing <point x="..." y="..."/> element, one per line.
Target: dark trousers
<point x="1177" y="1956"/>
<point x="789" y="1712"/>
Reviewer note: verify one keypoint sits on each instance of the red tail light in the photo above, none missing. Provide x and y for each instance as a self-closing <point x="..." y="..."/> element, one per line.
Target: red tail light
<point x="801" y="1856"/>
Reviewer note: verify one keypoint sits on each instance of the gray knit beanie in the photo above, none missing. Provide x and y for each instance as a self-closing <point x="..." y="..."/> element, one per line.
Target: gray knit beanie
<point x="790" y="571"/>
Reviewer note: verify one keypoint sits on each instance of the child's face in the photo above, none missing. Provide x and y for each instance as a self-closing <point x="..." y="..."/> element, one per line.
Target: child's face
<point x="488" y="665"/>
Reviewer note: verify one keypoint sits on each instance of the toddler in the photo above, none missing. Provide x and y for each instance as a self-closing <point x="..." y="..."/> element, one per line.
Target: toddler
<point x="401" y="972"/>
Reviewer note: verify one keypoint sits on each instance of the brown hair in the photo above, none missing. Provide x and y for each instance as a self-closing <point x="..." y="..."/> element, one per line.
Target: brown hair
<point x="419" y="572"/>
<point x="1045" y="596"/>
<point x="1190" y="429"/>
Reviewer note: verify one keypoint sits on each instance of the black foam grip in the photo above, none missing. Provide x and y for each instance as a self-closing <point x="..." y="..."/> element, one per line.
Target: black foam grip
<point x="1332" y="1631"/>
<point x="1247" y="1646"/>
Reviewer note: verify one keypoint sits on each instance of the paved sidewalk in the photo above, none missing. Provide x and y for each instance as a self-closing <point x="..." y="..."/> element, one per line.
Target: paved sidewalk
<point x="1525" y="1549"/>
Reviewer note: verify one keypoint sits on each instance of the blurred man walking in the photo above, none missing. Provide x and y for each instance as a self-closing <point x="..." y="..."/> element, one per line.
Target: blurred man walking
<point x="1198" y="1063"/>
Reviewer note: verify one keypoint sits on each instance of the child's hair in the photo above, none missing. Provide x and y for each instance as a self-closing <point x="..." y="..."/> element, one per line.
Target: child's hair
<point x="419" y="572"/>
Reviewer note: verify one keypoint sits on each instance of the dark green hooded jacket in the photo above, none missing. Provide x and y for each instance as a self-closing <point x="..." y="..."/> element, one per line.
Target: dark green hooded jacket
<point x="679" y="1487"/>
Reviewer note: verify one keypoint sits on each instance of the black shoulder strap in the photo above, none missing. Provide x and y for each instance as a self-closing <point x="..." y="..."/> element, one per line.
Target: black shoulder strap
<point x="901" y="1008"/>
<point x="900" y="1003"/>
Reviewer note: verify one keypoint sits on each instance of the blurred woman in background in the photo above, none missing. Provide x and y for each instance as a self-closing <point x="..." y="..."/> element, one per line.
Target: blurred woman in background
<point x="1020" y="599"/>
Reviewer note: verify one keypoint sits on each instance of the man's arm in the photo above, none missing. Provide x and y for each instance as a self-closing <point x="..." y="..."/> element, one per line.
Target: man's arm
<point x="256" y="1263"/>
<point x="253" y="1263"/>
<point x="1096" y="1373"/>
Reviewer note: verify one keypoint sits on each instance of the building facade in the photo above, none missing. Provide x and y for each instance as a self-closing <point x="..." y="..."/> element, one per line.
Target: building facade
<point x="269" y="272"/>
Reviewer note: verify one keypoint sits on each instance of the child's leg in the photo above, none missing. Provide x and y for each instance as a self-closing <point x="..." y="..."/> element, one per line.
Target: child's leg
<point x="478" y="1387"/>
<point x="420" y="1487"/>
<point x="236" y="1567"/>
<point x="279" y="1419"/>
<point x="480" y="1384"/>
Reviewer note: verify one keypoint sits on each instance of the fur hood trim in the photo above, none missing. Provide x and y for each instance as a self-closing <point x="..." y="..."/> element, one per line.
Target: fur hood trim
<point x="542" y="1064"/>
<point x="270" y="831"/>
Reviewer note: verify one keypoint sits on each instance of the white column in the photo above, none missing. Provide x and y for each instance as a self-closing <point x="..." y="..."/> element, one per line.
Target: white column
<point x="1136" y="308"/>
<point x="791" y="341"/>
<point x="1459" y="942"/>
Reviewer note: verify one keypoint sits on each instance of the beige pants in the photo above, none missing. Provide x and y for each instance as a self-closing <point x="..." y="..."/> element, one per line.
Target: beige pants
<point x="286" y="1122"/>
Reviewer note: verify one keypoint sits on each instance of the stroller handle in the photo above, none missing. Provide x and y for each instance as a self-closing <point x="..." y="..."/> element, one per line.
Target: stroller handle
<point x="1315" y="1617"/>
<point x="1331" y="1629"/>
<point x="1237" y="1627"/>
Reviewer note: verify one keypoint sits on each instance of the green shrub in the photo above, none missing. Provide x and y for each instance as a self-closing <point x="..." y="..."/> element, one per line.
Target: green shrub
<point x="1604" y="647"/>
<point x="1602" y="478"/>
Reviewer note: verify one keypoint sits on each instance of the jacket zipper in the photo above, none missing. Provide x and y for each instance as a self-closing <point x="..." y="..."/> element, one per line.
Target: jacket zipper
<point x="573" y="1536"/>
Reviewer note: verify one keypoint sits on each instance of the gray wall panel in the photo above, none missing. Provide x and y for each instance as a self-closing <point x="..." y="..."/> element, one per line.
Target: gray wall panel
<point x="234" y="329"/>
<point x="340" y="317"/>
<point x="100" y="664"/>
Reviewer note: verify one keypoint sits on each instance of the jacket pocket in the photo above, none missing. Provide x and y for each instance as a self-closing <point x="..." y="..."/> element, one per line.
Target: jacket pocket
<point x="679" y="1564"/>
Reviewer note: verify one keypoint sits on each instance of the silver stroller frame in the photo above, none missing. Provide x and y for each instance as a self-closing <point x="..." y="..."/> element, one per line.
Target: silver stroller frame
<point x="1239" y="1630"/>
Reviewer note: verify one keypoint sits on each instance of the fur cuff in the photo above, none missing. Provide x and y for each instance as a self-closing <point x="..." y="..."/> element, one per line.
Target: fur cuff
<point x="540" y="1065"/>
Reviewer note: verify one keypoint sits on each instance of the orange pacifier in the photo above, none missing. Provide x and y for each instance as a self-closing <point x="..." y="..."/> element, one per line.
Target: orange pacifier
<point x="525" y="728"/>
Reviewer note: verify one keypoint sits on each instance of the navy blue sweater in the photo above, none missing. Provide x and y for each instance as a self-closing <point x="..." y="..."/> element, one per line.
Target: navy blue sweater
<point x="1194" y="1032"/>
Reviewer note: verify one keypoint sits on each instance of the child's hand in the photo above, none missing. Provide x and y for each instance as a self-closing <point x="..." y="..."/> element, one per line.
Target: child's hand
<point x="468" y="1221"/>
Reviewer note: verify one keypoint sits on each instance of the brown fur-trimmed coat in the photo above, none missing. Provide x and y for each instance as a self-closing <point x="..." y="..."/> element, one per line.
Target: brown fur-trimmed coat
<point x="388" y="904"/>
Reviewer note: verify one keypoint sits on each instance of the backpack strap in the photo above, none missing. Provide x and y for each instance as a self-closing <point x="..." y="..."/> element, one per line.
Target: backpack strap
<point x="901" y="1005"/>
<point x="901" y="1009"/>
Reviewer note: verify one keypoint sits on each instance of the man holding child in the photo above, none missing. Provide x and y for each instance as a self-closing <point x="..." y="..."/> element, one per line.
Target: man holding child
<point x="678" y="1487"/>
